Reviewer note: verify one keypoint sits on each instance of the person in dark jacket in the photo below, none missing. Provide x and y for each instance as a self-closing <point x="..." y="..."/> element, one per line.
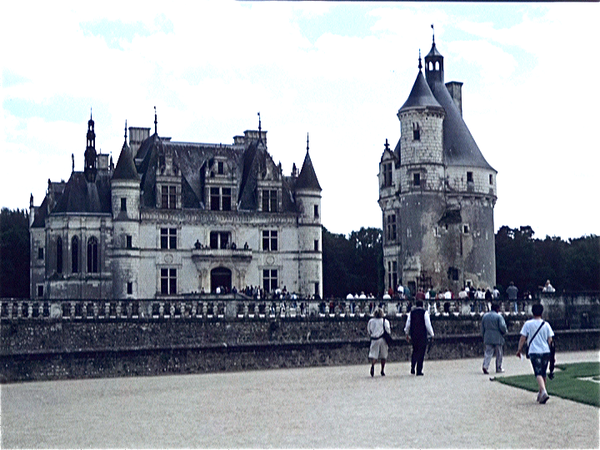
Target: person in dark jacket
<point x="418" y="327"/>
<point x="493" y="329"/>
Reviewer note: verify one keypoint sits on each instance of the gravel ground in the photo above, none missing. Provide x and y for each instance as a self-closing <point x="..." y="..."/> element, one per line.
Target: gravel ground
<point x="453" y="406"/>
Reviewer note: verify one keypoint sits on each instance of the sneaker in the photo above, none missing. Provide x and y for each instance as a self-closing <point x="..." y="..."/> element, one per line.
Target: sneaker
<point x="485" y="370"/>
<point x="420" y="374"/>
<point x="372" y="371"/>
<point x="538" y="397"/>
<point x="500" y="371"/>
<point x="544" y="397"/>
<point x="412" y="370"/>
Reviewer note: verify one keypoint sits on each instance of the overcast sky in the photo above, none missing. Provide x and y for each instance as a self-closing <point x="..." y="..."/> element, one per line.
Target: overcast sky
<point x="339" y="71"/>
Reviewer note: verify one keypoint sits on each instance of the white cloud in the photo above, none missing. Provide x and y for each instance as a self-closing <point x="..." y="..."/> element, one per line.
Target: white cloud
<point x="209" y="67"/>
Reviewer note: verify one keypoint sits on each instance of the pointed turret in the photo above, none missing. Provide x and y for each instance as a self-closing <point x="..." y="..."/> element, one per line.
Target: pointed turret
<point x="125" y="169"/>
<point x="308" y="178"/>
<point x="90" y="154"/>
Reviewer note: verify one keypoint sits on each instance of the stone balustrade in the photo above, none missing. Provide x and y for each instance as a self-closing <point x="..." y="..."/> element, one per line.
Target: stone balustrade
<point x="20" y="309"/>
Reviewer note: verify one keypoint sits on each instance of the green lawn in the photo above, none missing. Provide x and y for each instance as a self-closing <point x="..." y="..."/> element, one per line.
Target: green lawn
<point x="567" y="382"/>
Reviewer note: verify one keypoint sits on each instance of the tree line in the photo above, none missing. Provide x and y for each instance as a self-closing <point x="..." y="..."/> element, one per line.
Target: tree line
<point x="354" y="263"/>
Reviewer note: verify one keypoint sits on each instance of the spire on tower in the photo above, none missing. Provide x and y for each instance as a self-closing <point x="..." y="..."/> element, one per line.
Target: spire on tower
<point x="259" y="124"/>
<point x="155" y="122"/>
<point x="307" y="142"/>
<point x="420" y="65"/>
<point x="433" y="34"/>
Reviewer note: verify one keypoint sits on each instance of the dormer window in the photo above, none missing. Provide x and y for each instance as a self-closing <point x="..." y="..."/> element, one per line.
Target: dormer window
<point x="269" y="200"/>
<point x="169" y="197"/>
<point x="469" y="177"/>
<point x="220" y="169"/>
<point x="416" y="132"/>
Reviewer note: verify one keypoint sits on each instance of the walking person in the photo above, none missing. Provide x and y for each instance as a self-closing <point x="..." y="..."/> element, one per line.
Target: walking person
<point x="538" y="335"/>
<point x="418" y="327"/>
<point x="493" y="329"/>
<point x="379" y="347"/>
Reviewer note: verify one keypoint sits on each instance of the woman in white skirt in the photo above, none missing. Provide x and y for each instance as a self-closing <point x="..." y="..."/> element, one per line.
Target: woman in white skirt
<point x="379" y="348"/>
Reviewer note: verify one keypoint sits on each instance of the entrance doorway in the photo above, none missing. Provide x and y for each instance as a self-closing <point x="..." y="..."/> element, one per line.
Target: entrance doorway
<point x="220" y="277"/>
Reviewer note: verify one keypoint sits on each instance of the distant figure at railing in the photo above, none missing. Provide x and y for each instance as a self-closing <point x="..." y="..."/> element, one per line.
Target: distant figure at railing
<point x="548" y="287"/>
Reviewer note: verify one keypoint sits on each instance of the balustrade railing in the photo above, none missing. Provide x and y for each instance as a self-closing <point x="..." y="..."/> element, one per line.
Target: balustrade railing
<point x="83" y="309"/>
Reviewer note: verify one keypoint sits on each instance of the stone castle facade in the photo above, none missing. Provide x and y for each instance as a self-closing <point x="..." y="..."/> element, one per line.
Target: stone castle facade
<point x="436" y="192"/>
<point x="174" y="219"/>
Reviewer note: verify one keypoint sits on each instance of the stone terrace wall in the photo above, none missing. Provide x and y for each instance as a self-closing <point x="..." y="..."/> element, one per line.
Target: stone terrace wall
<point x="60" y="349"/>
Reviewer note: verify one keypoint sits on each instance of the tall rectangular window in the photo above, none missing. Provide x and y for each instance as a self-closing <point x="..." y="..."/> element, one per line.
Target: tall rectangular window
<point x="41" y="253"/>
<point x="129" y="288"/>
<point x="168" y="238"/>
<point x="469" y="177"/>
<point x="168" y="281"/>
<point x="270" y="240"/>
<point x="215" y="198"/>
<point x="219" y="239"/>
<point x="391" y="227"/>
<point x="59" y="255"/>
<point x="316" y="211"/>
<point x="40" y="290"/>
<point x="316" y="245"/>
<point x="387" y="174"/>
<point x="123" y="204"/>
<point x="269" y="200"/>
<point x="270" y="282"/>
<point x="226" y="199"/>
<point x="92" y="255"/>
<point x="128" y="241"/>
<point x="75" y="254"/>
<point x="169" y="197"/>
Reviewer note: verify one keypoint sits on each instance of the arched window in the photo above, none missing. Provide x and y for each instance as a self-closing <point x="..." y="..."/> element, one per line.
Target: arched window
<point x="59" y="255"/>
<point x="92" y="255"/>
<point x="75" y="254"/>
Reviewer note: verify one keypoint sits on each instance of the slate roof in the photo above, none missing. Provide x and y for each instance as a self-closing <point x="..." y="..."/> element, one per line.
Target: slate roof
<point x="85" y="197"/>
<point x="460" y="149"/>
<point x="125" y="169"/>
<point x="308" y="178"/>
<point x="420" y="95"/>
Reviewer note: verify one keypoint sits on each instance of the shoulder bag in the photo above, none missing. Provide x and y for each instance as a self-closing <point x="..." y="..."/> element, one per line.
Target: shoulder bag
<point x="526" y="346"/>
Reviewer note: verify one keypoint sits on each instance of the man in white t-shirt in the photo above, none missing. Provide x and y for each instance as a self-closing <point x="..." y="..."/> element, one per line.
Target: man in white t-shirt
<point x="538" y="334"/>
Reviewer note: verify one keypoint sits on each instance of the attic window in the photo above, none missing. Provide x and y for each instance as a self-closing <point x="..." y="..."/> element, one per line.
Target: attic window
<point x="220" y="168"/>
<point x="416" y="132"/>
<point x="469" y="177"/>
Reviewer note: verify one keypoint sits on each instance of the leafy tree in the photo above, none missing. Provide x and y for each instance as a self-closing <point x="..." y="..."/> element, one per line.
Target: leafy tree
<point x="353" y="264"/>
<point x="529" y="262"/>
<point x="14" y="253"/>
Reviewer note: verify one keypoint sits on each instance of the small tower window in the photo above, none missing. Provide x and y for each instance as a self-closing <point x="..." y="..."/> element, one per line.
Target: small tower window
<point x="123" y="204"/>
<point x="316" y="245"/>
<point x="41" y="253"/>
<point x="75" y="254"/>
<point x="387" y="174"/>
<point x="416" y="179"/>
<point x="129" y="288"/>
<point x="466" y="228"/>
<point x="469" y="177"/>
<point x="416" y="132"/>
<point x="491" y="179"/>
<point x="316" y="208"/>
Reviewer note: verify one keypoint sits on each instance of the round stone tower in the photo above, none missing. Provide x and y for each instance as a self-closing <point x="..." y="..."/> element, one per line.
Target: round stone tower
<point x="437" y="193"/>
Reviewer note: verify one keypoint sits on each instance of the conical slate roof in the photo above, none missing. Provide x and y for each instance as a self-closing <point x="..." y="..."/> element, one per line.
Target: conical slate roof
<point x="308" y="178"/>
<point x="125" y="169"/>
<point x="420" y="95"/>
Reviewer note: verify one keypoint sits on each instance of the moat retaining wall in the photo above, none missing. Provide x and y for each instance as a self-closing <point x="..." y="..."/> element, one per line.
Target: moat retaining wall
<point x="63" y="349"/>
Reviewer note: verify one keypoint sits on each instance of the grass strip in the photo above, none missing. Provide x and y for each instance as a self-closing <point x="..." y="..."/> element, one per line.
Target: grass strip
<point x="568" y="382"/>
